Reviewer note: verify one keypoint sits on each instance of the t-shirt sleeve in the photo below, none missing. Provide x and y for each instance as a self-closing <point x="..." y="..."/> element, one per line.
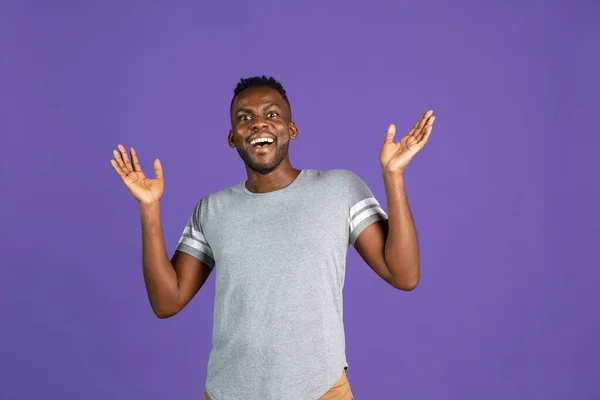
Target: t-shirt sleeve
<point x="364" y="209"/>
<point x="192" y="240"/>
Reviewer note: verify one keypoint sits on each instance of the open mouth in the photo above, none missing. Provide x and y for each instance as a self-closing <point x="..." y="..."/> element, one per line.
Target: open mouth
<point x="262" y="143"/>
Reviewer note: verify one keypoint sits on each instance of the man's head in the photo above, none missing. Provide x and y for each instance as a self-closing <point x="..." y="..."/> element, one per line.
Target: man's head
<point x="261" y="123"/>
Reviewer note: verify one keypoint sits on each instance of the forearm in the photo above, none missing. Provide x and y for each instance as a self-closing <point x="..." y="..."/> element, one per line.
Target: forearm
<point x="401" y="247"/>
<point x="159" y="275"/>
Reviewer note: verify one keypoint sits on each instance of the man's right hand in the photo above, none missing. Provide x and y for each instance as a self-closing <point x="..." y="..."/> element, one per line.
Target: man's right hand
<point x="146" y="191"/>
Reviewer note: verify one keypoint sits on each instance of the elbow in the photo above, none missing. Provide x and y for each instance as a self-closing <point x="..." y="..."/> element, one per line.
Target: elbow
<point x="406" y="286"/>
<point x="403" y="274"/>
<point x="406" y="283"/>
<point x="164" y="313"/>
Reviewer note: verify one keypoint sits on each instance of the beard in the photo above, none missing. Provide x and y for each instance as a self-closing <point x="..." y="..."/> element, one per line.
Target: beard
<point x="262" y="167"/>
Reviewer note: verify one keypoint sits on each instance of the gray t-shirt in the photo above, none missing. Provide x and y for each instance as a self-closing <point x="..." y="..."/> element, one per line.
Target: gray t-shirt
<point x="280" y="260"/>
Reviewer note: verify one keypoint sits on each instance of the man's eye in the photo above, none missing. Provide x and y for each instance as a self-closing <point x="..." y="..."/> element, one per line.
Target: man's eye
<point x="245" y="118"/>
<point x="272" y="114"/>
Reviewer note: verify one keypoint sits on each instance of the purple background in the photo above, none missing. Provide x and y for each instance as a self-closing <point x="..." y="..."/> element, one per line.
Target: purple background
<point x="504" y="195"/>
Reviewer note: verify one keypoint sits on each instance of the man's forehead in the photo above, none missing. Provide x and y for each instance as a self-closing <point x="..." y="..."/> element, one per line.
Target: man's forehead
<point x="258" y="96"/>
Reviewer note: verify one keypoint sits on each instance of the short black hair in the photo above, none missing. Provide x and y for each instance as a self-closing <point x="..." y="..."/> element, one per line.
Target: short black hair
<point x="270" y="82"/>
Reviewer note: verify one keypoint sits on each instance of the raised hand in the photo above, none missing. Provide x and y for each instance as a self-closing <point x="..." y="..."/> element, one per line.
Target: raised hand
<point x="394" y="157"/>
<point x="145" y="190"/>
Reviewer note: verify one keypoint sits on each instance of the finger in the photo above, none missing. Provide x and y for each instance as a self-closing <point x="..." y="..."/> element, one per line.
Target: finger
<point x="413" y="130"/>
<point x="119" y="166"/>
<point x="428" y="122"/>
<point x="424" y="135"/>
<point x="158" y="169"/>
<point x="418" y="125"/>
<point x="117" y="169"/>
<point x="136" y="161"/>
<point x="119" y="161"/>
<point x="391" y="132"/>
<point x="423" y="120"/>
<point x="125" y="158"/>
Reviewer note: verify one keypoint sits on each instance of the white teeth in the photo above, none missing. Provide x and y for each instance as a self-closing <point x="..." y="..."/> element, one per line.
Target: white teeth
<point x="261" y="140"/>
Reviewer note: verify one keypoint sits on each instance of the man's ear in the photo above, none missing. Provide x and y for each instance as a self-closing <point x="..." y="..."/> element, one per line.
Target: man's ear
<point x="230" y="139"/>
<point x="293" y="131"/>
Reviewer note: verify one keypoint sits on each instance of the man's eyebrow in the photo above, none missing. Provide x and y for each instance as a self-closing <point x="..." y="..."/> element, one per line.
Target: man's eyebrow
<point x="247" y="110"/>
<point x="271" y="105"/>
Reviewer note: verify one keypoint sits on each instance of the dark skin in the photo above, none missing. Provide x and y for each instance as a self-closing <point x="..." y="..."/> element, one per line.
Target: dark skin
<point x="262" y="111"/>
<point x="390" y="249"/>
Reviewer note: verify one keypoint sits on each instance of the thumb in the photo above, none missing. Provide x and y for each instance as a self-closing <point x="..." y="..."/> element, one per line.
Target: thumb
<point x="158" y="169"/>
<point x="391" y="132"/>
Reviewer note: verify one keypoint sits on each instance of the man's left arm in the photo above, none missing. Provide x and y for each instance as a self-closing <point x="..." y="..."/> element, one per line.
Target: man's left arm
<point x="391" y="247"/>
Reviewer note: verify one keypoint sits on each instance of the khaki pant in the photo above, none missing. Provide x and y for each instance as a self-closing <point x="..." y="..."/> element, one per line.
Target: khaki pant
<point x="339" y="391"/>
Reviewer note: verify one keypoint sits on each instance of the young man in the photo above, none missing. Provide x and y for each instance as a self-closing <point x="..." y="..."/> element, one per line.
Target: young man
<point x="278" y="242"/>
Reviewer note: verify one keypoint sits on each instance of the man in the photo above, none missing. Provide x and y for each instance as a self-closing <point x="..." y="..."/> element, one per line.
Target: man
<point x="278" y="242"/>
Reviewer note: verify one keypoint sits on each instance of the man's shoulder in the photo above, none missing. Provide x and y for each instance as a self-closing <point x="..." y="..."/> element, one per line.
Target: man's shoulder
<point x="218" y="197"/>
<point x="336" y="173"/>
<point x="339" y="176"/>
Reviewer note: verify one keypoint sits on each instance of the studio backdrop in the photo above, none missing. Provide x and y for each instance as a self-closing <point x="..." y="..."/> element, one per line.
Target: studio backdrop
<point x="504" y="195"/>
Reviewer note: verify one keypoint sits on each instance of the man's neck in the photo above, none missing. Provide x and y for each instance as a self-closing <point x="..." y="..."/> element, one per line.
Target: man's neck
<point x="281" y="177"/>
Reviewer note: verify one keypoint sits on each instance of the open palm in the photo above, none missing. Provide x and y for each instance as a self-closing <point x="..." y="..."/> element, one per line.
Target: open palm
<point x="395" y="156"/>
<point x="145" y="190"/>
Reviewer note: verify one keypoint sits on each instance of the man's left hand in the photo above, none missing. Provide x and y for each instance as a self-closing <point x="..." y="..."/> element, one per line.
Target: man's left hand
<point x="394" y="157"/>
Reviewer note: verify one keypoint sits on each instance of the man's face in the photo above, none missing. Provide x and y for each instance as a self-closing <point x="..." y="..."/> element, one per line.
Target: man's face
<point x="261" y="128"/>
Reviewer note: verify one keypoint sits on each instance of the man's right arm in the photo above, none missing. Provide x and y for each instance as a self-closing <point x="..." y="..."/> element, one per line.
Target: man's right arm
<point x="171" y="284"/>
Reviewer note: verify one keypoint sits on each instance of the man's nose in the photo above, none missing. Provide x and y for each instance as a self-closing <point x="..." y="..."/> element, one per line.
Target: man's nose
<point x="259" y="123"/>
